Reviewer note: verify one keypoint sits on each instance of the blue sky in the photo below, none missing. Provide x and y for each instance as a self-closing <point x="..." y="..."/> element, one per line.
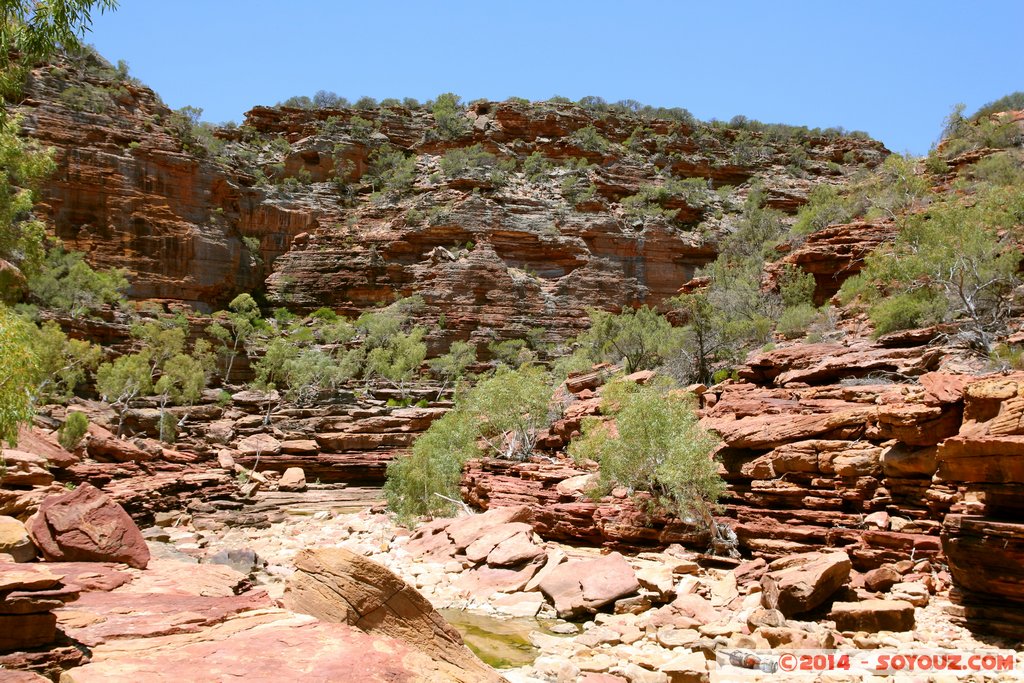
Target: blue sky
<point x="890" y="68"/>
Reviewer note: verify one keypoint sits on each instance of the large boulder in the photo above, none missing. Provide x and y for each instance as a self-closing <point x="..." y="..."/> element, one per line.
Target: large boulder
<point x="85" y="525"/>
<point x="293" y="479"/>
<point x="798" y="583"/>
<point x="103" y="446"/>
<point x="336" y="585"/>
<point x="14" y="540"/>
<point x="585" y="586"/>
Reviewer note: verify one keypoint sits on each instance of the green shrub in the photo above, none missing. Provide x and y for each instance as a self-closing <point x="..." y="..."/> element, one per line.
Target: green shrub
<point x="361" y="129"/>
<point x="796" y="287"/>
<point x="75" y="426"/>
<point x="325" y="314"/>
<point x="825" y="206"/>
<point x="578" y="189"/>
<point x="87" y="97"/>
<point x="1005" y="357"/>
<point x="427" y="481"/>
<point x="68" y="284"/>
<point x="168" y="428"/>
<point x="391" y="172"/>
<point x="449" y="119"/>
<point x="649" y="200"/>
<point x="998" y="169"/>
<point x="953" y="260"/>
<point x="907" y="311"/>
<point x="505" y="413"/>
<point x="795" y="320"/>
<point x="641" y="338"/>
<point x="659" y="448"/>
<point x="511" y="352"/>
<point x="451" y="366"/>
<point x="20" y="369"/>
<point x="536" y="167"/>
<point x="935" y="164"/>
<point x="477" y="163"/>
<point x="590" y="139"/>
<point x="63" y="363"/>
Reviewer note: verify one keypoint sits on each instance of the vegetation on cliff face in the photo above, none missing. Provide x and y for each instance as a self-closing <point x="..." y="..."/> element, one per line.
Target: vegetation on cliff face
<point x="657" y="447"/>
<point x="501" y="416"/>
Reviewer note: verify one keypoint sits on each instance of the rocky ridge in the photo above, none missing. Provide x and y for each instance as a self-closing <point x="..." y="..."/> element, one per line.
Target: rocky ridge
<point x="135" y="189"/>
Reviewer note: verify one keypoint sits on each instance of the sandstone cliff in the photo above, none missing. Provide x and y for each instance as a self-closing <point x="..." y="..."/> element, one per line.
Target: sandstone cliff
<point x="183" y="208"/>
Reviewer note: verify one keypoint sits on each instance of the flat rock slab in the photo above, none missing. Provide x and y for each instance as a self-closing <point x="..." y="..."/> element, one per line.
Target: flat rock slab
<point x="264" y="646"/>
<point x="172" y="576"/>
<point x="27" y="577"/>
<point x="99" y="617"/>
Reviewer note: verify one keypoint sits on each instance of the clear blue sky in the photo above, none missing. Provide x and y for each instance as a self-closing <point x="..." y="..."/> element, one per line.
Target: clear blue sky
<point x="892" y="68"/>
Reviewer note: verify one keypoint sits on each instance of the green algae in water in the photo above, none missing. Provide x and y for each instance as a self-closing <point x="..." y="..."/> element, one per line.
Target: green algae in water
<point x="499" y="642"/>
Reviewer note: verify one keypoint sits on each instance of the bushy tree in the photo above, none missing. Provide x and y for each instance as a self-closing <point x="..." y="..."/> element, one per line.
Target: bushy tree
<point x="233" y="327"/>
<point x="733" y="313"/>
<point x="181" y="382"/>
<point x="512" y="407"/>
<point x="398" y="359"/>
<point x="160" y="340"/>
<point x="23" y="166"/>
<point x="501" y="417"/>
<point x="427" y="481"/>
<point x="391" y="172"/>
<point x="953" y="261"/>
<point x="449" y="119"/>
<point x="66" y="283"/>
<point x="70" y="434"/>
<point x="658" y="447"/>
<point x="450" y="367"/>
<point x="590" y="139"/>
<point x="477" y="163"/>
<point x="64" y="363"/>
<point x="123" y="381"/>
<point x="641" y="338"/>
<point x="512" y="352"/>
<point x="19" y="374"/>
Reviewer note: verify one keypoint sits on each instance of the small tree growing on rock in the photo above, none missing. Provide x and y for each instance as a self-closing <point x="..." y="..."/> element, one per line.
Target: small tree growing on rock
<point x="640" y="337"/>
<point x="122" y="382"/>
<point x="658" y="447"/>
<point x="18" y="374"/>
<point x="501" y="416"/>
<point x="234" y="327"/>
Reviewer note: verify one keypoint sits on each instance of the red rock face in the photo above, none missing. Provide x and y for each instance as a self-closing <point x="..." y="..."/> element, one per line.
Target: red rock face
<point x="985" y="545"/>
<point x="836" y="253"/>
<point x="129" y="194"/>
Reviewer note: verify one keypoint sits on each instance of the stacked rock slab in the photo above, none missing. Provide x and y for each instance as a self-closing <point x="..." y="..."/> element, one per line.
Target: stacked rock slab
<point x="28" y="594"/>
<point x="984" y="539"/>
